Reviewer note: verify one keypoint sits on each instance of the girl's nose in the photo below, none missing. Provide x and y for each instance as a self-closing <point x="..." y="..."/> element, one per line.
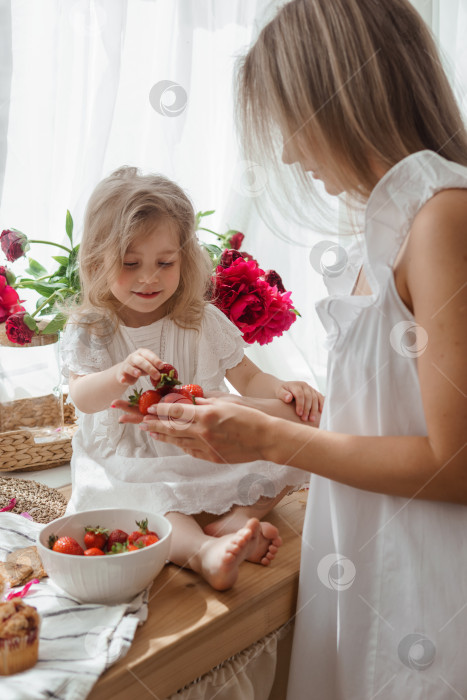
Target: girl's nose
<point x="148" y="276"/>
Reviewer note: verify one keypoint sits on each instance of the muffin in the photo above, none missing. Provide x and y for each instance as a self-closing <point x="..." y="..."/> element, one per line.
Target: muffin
<point x="19" y="636"/>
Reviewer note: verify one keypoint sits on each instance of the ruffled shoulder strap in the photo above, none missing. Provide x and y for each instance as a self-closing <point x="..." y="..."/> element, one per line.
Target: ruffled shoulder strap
<point x="220" y="347"/>
<point x="396" y="200"/>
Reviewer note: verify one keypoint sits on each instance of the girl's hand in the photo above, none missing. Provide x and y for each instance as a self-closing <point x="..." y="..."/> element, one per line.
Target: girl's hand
<point x="139" y="363"/>
<point x="308" y="402"/>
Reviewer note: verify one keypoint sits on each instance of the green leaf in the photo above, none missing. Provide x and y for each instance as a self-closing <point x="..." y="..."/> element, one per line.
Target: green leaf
<point x="61" y="259"/>
<point x="35" y="268"/>
<point x="208" y="213"/>
<point x="296" y="312"/>
<point x="30" y="322"/>
<point x="212" y="249"/>
<point x="69" y="226"/>
<point x="42" y="289"/>
<point x="56" y="324"/>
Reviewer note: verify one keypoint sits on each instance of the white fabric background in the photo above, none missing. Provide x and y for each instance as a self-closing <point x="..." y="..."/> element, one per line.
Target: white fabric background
<point x="74" y="104"/>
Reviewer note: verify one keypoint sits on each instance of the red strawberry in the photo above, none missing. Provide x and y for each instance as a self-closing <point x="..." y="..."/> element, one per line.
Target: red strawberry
<point x="122" y="547"/>
<point x="192" y="390"/>
<point x="95" y="537"/>
<point x="176" y="395"/>
<point x="115" y="537"/>
<point x="143" y="530"/>
<point x="93" y="552"/>
<point x="65" y="545"/>
<point x="146" y="540"/>
<point x="144" y="399"/>
<point x="169" y="375"/>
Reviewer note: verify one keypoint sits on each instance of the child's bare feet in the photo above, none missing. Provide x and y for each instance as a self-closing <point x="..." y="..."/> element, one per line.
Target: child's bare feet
<point x="262" y="550"/>
<point x="219" y="558"/>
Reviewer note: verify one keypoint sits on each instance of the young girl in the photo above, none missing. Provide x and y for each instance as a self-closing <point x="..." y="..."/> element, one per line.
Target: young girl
<point x="358" y="90"/>
<point x="144" y="278"/>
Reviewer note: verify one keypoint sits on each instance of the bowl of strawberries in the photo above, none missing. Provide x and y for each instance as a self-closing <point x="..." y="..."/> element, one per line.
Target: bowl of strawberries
<point x="107" y="555"/>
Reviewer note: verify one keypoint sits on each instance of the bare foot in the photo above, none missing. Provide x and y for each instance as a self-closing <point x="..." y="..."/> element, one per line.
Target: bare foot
<point x="267" y="540"/>
<point x="220" y="557"/>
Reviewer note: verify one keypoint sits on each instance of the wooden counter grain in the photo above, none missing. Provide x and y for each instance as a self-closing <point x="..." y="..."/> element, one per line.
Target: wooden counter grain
<point x="191" y="628"/>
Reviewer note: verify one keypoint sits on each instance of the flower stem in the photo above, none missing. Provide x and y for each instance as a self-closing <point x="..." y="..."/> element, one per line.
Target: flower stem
<point x="48" y="300"/>
<point x="201" y="228"/>
<point x="58" y="245"/>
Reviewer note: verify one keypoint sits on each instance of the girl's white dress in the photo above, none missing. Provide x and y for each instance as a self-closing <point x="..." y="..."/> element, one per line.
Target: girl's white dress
<point x="115" y="464"/>
<point x="382" y="607"/>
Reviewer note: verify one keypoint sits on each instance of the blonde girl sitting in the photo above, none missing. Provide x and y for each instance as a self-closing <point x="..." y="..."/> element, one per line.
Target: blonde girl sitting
<point x="144" y="278"/>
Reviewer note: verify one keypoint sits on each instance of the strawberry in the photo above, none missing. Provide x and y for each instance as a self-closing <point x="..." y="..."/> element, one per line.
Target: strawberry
<point x="143" y="530"/>
<point x="93" y="552"/>
<point x="144" y="399"/>
<point x="122" y="547"/>
<point x="192" y="391"/>
<point x="177" y="396"/>
<point x="146" y="540"/>
<point x="65" y="545"/>
<point x="116" y="536"/>
<point x="95" y="537"/>
<point x="169" y="375"/>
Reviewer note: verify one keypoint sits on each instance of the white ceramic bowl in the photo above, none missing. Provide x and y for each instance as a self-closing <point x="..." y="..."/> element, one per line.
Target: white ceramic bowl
<point x="111" y="579"/>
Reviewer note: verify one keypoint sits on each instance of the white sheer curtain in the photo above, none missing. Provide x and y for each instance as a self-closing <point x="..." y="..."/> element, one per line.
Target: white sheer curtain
<point x="78" y="98"/>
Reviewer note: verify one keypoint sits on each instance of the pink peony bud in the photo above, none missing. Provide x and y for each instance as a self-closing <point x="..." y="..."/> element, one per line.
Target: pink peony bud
<point x="16" y="329"/>
<point x="274" y="279"/>
<point x="14" y="244"/>
<point x="236" y="240"/>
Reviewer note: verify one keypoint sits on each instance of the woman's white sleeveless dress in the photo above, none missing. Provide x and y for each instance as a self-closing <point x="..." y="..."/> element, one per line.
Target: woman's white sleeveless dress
<point x="382" y="606"/>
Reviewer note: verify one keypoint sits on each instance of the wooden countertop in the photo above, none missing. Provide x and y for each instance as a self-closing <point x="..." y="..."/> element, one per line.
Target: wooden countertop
<point x="191" y="628"/>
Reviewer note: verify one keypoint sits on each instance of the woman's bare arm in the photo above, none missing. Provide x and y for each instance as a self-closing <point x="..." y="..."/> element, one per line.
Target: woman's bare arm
<point x="433" y="466"/>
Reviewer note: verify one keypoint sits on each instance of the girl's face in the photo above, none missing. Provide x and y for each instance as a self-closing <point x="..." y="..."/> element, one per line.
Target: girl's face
<point x="150" y="275"/>
<point x="312" y="164"/>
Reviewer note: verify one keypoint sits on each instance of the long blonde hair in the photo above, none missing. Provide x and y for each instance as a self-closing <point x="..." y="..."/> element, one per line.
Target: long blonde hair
<point x="118" y="211"/>
<point x="353" y="79"/>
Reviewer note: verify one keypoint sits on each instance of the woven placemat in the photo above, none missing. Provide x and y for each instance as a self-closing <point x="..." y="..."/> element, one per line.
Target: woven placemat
<point x="41" y="502"/>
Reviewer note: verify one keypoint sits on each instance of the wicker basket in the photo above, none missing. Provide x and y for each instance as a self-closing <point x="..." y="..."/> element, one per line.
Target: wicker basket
<point x="27" y="441"/>
<point x="28" y="448"/>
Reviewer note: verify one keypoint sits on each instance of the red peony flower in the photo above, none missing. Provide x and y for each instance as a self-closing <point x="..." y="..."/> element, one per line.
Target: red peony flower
<point x="280" y="318"/>
<point x="236" y="240"/>
<point x="16" y="329"/>
<point x="274" y="279"/>
<point x="8" y="299"/>
<point x="14" y="244"/>
<point x="261" y="311"/>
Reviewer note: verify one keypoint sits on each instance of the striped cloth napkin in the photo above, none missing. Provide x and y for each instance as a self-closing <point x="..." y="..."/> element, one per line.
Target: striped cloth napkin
<point x="78" y="641"/>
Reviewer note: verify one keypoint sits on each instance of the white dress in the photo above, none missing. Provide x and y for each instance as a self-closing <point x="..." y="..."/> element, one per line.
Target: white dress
<point x="115" y="464"/>
<point x="382" y="606"/>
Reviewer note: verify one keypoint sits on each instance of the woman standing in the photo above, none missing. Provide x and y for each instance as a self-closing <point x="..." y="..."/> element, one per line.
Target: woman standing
<point x="356" y="89"/>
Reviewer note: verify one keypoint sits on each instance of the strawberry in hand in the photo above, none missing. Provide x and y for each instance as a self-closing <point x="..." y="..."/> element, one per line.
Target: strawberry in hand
<point x="169" y="376"/>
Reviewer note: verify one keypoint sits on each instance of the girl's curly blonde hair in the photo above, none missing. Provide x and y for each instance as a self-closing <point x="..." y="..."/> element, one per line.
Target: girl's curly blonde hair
<point x="118" y="211"/>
